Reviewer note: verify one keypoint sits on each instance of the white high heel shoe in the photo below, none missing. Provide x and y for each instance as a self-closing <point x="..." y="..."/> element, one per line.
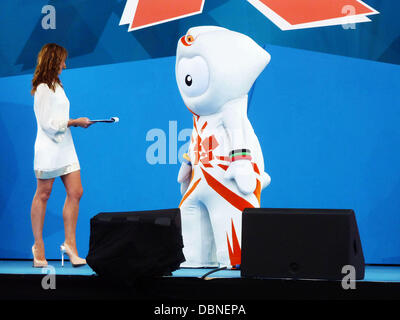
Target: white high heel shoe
<point x="38" y="263"/>
<point x="73" y="258"/>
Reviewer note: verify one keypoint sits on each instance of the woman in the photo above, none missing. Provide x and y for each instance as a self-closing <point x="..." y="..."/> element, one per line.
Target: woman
<point x="55" y="154"/>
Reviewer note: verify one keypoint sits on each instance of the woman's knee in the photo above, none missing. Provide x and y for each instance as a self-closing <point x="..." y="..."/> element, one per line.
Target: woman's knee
<point x="43" y="194"/>
<point x="75" y="193"/>
<point x="43" y="189"/>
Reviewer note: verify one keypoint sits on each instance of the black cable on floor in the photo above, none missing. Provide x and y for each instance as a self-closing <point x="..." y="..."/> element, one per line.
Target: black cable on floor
<point x="212" y="271"/>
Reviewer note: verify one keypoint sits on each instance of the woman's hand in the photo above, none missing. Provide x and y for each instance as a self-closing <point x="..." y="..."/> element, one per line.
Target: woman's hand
<point x="80" y="122"/>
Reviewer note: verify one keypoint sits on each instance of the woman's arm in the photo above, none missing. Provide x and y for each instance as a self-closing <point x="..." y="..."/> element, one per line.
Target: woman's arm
<point x="53" y="127"/>
<point x="80" y="122"/>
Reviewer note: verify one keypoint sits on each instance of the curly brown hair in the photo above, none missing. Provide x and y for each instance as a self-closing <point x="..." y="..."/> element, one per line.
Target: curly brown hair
<point x="49" y="60"/>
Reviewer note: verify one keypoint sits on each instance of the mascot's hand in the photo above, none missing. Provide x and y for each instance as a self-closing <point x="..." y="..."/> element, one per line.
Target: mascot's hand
<point x="184" y="176"/>
<point x="265" y="180"/>
<point x="243" y="173"/>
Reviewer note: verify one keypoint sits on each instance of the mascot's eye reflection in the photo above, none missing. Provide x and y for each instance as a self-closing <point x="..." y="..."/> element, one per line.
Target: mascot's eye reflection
<point x="188" y="80"/>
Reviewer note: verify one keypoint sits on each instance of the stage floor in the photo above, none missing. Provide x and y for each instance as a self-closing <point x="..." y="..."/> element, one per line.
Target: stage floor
<point x="372" y="273"/>
<point x="19" y="280"/>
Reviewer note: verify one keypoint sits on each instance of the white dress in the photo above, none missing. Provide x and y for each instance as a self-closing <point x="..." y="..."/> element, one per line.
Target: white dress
<point x="55" y="153"/>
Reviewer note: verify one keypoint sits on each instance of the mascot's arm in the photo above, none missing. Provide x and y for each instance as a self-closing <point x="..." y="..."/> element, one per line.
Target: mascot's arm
<point x="240" y="169"/>
<point x="185" y="173"/>
<point x="264" y="176"/>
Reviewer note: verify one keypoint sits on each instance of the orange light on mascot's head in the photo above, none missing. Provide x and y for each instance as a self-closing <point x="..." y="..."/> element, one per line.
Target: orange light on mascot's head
<point x="187" y="40"/>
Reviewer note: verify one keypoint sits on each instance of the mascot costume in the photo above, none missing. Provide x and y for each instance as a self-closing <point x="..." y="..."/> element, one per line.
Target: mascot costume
<point x="223" y="171"/>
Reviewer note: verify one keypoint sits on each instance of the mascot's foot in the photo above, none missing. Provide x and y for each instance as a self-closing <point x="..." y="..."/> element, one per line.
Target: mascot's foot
<point x="188" y="264"/>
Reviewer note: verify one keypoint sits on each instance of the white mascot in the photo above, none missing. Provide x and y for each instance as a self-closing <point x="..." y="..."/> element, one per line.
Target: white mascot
<point x="223" y="171"/>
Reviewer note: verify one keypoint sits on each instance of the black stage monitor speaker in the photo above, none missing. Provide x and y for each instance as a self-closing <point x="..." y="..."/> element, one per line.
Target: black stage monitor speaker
<point x="300" y="244"/>
<point x="125" y="246"/>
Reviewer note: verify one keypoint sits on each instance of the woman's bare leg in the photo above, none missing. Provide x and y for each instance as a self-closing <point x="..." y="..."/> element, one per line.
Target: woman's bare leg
<point x="38" y="212"/>
<point x="73" y="186"/>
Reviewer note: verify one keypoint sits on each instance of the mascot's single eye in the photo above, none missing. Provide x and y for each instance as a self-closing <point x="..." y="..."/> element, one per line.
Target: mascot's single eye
<point x="192" y="76"/>
<point x="188" y="80"/>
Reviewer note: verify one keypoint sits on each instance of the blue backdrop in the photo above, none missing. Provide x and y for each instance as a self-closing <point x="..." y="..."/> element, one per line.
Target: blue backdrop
<point x="328" y="126"/>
